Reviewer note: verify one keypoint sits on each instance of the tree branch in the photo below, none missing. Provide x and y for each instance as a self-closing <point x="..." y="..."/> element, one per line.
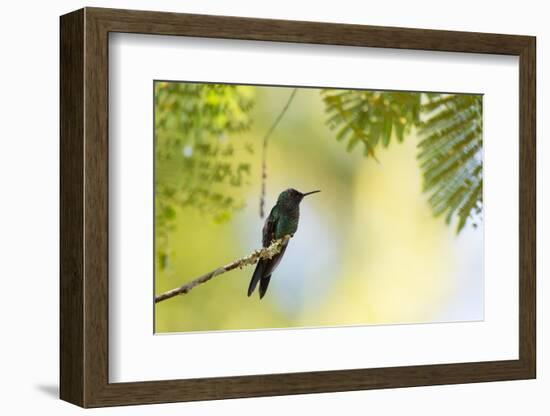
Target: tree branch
<point x="263" y="253"/>
<point x="264" y="151"/>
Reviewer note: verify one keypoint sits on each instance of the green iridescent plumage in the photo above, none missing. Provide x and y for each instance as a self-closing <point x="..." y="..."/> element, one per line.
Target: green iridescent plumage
<point x="282" y="220"/>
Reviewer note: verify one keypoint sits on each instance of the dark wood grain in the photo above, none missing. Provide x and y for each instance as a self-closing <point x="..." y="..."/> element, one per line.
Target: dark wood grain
<point x="527" y="207"/>
<point x="71" y="100"/>
<point x="226" y="27"/>
<point x="96" y="219"/>
<point x="84" y="207"/>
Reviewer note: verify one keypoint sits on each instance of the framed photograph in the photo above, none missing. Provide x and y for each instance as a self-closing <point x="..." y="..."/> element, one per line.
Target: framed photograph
<point x="255" y="207"/>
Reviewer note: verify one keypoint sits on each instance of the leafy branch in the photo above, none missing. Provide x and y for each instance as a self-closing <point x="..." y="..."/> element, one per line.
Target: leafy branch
<point x="197" y="136"/>
<point x="370" y="117"/>
<point x="264" y="253"/>
<point x="450" y="156"/>
<point x="450" y="149"/>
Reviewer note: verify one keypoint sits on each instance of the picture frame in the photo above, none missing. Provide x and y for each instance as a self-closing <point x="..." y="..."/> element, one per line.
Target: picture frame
<point x="84" y="217"/>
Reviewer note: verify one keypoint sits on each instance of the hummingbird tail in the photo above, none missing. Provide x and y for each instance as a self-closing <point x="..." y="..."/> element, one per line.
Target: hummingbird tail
<point x="264" y="283"/>
<point x="258" y="272"/>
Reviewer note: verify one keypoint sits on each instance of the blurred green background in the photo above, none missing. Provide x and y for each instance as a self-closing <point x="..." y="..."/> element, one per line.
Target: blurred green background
<point x="394" y="236"/>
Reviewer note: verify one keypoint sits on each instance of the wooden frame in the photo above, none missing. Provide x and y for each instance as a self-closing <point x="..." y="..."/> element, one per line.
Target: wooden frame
<point x="84" y="207"/>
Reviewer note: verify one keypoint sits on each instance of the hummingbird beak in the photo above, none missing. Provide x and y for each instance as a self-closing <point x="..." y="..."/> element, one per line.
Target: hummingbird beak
<point x="309" y="193"/>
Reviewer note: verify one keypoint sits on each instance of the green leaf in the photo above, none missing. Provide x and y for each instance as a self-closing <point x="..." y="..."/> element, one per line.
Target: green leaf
<point x="352" y="143"/>
<point x="386" y="136"/>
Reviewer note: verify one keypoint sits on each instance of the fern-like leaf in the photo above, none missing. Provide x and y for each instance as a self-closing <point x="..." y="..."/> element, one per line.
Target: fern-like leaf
<point x="370" y="117"/>
<point x="450" y="149"/>
<point x="450" y="156"/>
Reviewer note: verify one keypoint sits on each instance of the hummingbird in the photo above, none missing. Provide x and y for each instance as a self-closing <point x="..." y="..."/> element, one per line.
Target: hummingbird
<point x="282" y="220"/>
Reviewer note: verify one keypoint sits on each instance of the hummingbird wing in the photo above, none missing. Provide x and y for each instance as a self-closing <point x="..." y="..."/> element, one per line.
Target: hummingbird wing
<point x="270" y="225"/>
<point x="269" y="266"/>
<point x="265" y="266"/>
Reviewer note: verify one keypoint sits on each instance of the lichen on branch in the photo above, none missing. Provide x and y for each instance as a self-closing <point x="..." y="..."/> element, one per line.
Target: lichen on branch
<point x="264" y="253"/>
